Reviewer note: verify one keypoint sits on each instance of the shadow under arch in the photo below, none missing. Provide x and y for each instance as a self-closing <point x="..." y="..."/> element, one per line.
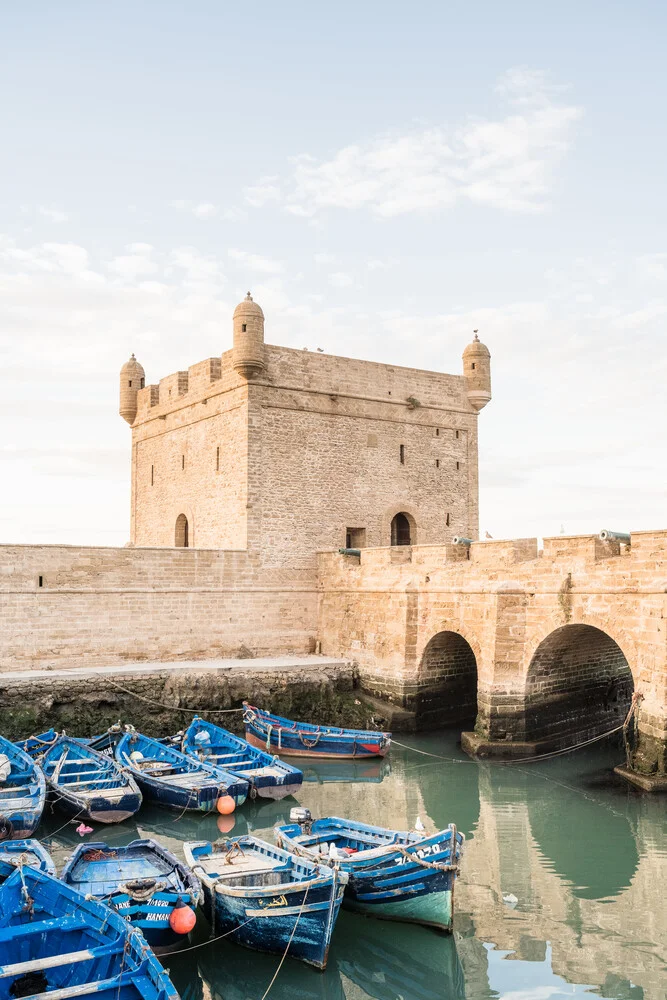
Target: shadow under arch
<point x="578" y="685"/>
<point x="447" y="681"/>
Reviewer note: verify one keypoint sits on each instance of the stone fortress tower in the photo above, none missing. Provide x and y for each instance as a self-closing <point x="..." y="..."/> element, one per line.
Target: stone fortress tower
<point x="281" y="452"/>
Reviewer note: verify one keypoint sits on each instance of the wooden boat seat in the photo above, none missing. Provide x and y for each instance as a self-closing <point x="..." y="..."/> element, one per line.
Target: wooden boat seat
<point x="85" y="989"/>
<point x="248" y="864"/>
<point x="65" y="924"/>
<point x="93" y="781"/>
<point x="52" y="962"/>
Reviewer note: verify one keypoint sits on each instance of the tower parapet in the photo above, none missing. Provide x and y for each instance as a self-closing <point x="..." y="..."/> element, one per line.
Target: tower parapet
<point x="132" y="379"/>
<point x="477" y="371"/>
<point x="249" y="358"/>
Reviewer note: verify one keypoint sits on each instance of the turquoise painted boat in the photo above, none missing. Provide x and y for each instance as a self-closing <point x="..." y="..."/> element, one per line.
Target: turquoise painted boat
<point x="393" y="875"/>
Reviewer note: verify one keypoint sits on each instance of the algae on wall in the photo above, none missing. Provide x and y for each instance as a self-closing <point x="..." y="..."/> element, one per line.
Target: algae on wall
<point x="162" y="703"/>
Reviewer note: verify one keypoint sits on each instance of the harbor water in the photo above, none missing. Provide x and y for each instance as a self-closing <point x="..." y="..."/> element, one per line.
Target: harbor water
<point x="562" y="892"/>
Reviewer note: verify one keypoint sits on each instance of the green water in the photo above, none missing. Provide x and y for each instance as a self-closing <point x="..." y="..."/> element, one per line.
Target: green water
<point x="563" y="887"/>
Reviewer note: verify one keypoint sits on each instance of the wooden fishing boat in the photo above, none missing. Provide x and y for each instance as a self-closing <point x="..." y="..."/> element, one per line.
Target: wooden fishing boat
<point x="56" y="943"/>
<point x="268" y="776"/>
<point x="171" y="778"/>
<point x="22" y="793"/>
<point x="34" y="746"/>
<point x="301" y="739"/>
<point x="393" y="875"/>
<point x="143" y="882"/>
<point x="86" y="784"/>
<point x="20" y="853"/>
<point x="267" y="898"/>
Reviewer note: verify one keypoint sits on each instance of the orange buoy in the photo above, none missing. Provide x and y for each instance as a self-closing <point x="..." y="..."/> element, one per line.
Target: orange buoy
<point x="226" y="805"/>
<point x="182" y="918"/>
<point x="225" y="824"/>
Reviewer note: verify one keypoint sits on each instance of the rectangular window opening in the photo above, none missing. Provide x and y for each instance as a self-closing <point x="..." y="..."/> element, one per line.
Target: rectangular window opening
<point x="473" y="366"/>
<point x="244" y="327"/>
<point x="401" y="454"/>
<point x="152" y="474"/>
<point x="217" y="459"/>
<point x="130" y="383"/>
<point x="183" y="461"/>
<point x="40" y="582"/>
<point x="437" y="432"/>
<point x="447" y="520"/>
<point x="355" y="538"/>
<point x="457" y="434"/>
<point x="458" y="465"/>
<point x="437" y="463"/>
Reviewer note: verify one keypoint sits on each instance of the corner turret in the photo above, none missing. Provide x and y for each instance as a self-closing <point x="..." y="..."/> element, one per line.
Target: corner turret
<point x="249" y="338"/>
<point x="132" y="379"/>
<point x="477" y="371"/>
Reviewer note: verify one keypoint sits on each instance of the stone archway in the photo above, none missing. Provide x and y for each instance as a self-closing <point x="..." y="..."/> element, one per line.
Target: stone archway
<point x="403" y="529"/>
<point x="578" y="685"/>
<point x="447" y="681"/>
<point x="182" y="532"/>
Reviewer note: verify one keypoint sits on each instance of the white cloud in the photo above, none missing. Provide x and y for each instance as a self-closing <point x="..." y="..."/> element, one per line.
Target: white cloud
<point x="507" y="162"/>
<point x="254" y="262"/>
<point x="339" y="279"/>
<point x="653" y="266"/>
<point x="265" y="190"/>
<point x="52" y="214"/>
<point x="136" y="263"/>
<point x="205" y="210"/>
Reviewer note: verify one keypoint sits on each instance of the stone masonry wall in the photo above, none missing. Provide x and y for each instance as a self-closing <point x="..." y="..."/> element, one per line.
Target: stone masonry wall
<point x="104" y="606"/>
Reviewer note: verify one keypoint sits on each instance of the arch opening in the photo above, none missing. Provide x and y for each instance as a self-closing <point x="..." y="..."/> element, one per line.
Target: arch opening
<point x="182" y="533"/>
<point x="402" y="529"/>
<point x="447" y="681"/>
<point x="579" y="685"/>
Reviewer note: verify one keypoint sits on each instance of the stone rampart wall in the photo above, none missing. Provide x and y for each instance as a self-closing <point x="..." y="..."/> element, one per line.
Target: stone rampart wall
<point x="104" y="606"/>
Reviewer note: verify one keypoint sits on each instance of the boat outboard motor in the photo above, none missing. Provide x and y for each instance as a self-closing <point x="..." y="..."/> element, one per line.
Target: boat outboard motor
<point x="302" y="816"/>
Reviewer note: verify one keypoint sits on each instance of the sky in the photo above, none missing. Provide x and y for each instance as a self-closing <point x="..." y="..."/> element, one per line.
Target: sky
<point x="385" y="178"/>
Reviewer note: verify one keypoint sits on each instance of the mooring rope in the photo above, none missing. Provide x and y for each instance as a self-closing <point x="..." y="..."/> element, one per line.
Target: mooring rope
<point x="298" y="918"/>
<point x="173" y="708"/>
<point x="515" y="760"/>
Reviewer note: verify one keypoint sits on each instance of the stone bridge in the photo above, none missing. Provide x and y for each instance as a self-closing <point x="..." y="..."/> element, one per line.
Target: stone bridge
<point x="542" y="648"/>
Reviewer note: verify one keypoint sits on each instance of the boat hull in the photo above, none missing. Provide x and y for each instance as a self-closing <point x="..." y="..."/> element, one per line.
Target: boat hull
<point x="97" y="809"/>
<point x="287" y="747"/>
<point x="431" y="909"/>
<point x="305" y="916"/>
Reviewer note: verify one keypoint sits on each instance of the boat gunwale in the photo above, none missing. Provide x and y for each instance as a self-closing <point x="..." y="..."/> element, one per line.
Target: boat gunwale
<point x="374" y="852"/>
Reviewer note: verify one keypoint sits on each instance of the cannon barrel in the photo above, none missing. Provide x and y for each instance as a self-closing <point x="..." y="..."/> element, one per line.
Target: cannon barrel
<point x="349" y="552"/>
<point x="615" y="536"/>
<point x="459" y="540"/>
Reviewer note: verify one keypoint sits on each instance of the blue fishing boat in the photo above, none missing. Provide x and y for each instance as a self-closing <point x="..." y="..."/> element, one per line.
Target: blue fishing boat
<point x="144" y="882"/>
<point x="171" y="778"/>
<point x="266" y="898"/>
<point x="393" y="875"/>
<point x="36" y="745"/>
<point x="301" y="739"/>
<point x="21" y="853"/>
<point x="56" y="943"/>
<point x="86" y="784"/>
<point x="22" y="793"/>
<point x="268" y="776"/>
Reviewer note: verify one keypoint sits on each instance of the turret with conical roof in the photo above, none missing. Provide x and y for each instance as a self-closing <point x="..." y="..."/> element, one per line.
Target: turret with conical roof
<point x="477" y="371"/>
<point x="249" y="338"/>
<point x="132" y="379"/>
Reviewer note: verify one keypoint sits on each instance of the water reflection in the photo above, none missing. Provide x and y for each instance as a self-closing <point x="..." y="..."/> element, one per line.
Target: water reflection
<point x="562" y="889"/>
<point x="367" y="960"/>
